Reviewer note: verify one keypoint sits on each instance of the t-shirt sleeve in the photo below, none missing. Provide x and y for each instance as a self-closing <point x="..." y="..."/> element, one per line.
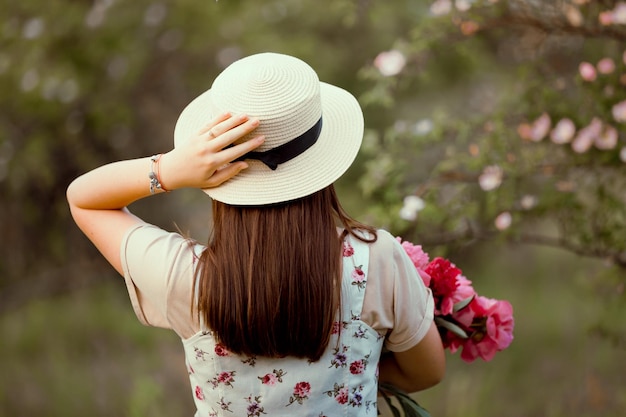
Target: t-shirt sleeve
<point x="396" y="300"/>
<point x="158" y="270"/>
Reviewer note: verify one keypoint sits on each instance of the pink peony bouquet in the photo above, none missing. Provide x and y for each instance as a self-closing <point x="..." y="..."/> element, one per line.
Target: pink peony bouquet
<point x="478" y="325"/>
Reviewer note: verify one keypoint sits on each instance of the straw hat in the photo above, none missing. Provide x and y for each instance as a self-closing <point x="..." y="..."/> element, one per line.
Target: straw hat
<point x="313" y="129"/>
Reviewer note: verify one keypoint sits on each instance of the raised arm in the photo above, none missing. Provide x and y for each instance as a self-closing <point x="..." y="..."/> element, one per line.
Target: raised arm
<point x="98" y="199"/>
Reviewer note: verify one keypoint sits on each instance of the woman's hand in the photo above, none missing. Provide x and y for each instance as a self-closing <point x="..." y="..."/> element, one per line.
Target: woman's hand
<point x="204" y="160"/>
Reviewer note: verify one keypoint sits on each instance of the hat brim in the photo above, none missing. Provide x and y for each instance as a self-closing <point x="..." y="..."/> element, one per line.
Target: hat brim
<point x="319" y="166"/>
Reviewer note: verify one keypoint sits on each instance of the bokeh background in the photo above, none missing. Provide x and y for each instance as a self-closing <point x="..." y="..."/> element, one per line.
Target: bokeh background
<point x="495" y="137"/>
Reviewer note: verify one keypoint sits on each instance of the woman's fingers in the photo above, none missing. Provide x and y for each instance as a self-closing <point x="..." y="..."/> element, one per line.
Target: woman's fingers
<point x="226" y="125"/>
<point x="215" y="121"/>
<point x="226" y="173"/>
<point x="234" y="152"/>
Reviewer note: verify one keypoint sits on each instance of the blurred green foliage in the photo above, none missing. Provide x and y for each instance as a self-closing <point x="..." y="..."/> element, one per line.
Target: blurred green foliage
<point x="83" y="83"/>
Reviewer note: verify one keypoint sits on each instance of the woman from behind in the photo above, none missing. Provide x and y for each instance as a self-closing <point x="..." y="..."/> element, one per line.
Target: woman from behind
<point x="287" y="308"/>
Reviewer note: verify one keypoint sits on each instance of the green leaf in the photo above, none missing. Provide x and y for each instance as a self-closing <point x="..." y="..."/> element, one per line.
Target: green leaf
<point x="462" y="304"/>
<point x="409" y="406"/>
<point x="451" y="327"/>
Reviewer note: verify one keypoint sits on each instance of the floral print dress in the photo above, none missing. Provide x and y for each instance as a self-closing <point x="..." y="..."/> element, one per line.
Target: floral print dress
<point x="344" y="382"/>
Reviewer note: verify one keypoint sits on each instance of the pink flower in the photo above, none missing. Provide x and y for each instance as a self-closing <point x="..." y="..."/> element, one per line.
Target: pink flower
<point x="619" y="111"/>
<point x="199" y="393"/>
<point x="220" y="350"/>
<point x="607" y="140"/>
<point x="390" y="63"/>
<point x="503" y="221"/>
<point x="336" y="327"/>
<point x="469" y="27"/>
<point x="563" y="132"/>
<point x="491" y="325"/>
<point x="302" y="390"/>
<point x="226" y="377"/>
<point x="415" y="252"/>
<point x="347" y="250"/>
<point x="447" y="284"/>
<point x="357" y="367"/>
<point x="441" y="7"/>
<point x="412" y="205"/>
<point x="342" y="396"/>
<point x="464" y="290"/>
<point x="586" y="136"/>
<point x="268" y="379"/>
<point x="358" y="275"/>
<point x="524" y="131"/>
<point x="619" y="14"/>
<point x="490" y="178"/>
<point x="587" y="71"/>
<point x="540" y="127"/>
<point x="606" y="18"/>
<point x="606" y="66"/>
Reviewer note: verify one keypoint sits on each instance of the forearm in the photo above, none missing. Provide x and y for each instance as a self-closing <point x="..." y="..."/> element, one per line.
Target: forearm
<point x="391" y="373"/>
<point x="418" y="368"/>
<point x="112" y="186"/>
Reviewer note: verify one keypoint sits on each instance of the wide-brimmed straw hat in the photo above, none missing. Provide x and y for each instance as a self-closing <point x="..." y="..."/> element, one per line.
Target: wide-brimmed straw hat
<point x="313" y="130"/>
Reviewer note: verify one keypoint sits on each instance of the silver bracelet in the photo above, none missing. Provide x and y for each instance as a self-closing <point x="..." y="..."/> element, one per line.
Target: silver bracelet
<point x="155" y="183"/>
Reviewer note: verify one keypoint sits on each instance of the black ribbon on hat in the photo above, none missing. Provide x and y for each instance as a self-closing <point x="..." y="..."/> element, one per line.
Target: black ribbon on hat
<point x="287" y="151"/>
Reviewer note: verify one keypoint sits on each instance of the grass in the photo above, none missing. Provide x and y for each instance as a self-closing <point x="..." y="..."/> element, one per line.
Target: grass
<point x="86" y="354"/>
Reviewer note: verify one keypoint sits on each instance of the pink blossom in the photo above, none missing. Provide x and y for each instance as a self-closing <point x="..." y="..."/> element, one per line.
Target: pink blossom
<point x="220" y="350"/>
<point x="302" y="390"/>
<point x="607" y="140"/>
<point x="357" y="367"/>
<point x="524" y="130"/>
<point x="347" y="250"/>
<point x="587" y="71"/>
<point x="342" y="396"/>
<point x="606" y="66"/>
<point x="462" y="5"/>
<point x="418" y="257"/>
<point x="269" y="379"/>
<point x="464" y="290"/>
<point x="540" y="127"/>
<point x="491" y="325"/>
<point x="358" y="275"/>
<point x="574" y="16"/>
<point x="469" y="27"/>
<point x="336" y="327"/>
<point x="528" y="201"/>
<point x="587" y="136"/>
<point x="390" y="63"/>
<point x="503" y="221"/>
<point x="619" y="14"/>
<point x="441" y="7"/>
<point x="606" y="18"/>
<point x="448" y="285"/>
<point x="415" y="252"/>
<point x="563" y="132"/>
<point x="619" y="111"/>
<point x="199" y="393"/>
<point x="412" y="205"/>
<point x="491" y="177"/>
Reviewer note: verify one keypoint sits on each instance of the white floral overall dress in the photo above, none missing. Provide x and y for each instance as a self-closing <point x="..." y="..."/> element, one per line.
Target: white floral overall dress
<point x="343" y="382"/>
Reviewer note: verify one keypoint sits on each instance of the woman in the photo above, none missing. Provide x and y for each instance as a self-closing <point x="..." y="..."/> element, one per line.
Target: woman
<point x="288" y="307"/>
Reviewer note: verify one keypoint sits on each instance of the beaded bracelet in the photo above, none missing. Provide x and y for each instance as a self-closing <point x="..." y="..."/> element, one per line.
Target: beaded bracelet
<point x="155" y="181"/>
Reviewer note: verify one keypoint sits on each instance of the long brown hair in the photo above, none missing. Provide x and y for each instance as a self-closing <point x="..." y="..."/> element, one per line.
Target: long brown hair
<point x="270" y="279"/>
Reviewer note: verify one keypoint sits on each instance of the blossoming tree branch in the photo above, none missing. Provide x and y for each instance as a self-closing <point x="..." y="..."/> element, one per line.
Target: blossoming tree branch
<point x="533" y="152"/>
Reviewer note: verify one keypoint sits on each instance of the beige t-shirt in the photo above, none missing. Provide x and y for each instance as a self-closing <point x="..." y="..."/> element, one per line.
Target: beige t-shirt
<point x="159" y="271"/>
